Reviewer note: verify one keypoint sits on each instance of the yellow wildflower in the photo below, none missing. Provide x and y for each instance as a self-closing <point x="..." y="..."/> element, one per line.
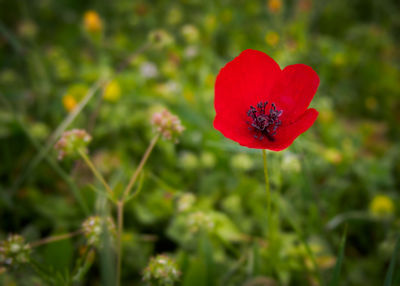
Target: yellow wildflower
<point x="326" y="116"/>
<point x="274" y="6"/>
<point x="112" y="92"/>
<point x="69" y="102"/>
<point x="333" y="156"/>
<point x="272" y="38"/>
<point x="381" y="206"/>
<point x="92" y="22"/>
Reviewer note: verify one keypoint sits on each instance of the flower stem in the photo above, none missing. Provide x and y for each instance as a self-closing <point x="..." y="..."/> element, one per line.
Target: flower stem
<point x="94" y="170"/>
<point x="120" y="222"/>
<point x="268" y="190"/>
<point x="55" y="238"/>
<point x="140" y="167"/>
<point x="121" y="202"/>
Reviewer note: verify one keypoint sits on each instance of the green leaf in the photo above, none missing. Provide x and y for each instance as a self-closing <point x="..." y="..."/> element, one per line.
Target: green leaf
<point x="338" y="266"/>
<point x="201" y="271"/>
<point x="83" y="266"/>
<point x="196" y="274"/>
<point x="390" y="272"/>
<point x="59" y="254"/>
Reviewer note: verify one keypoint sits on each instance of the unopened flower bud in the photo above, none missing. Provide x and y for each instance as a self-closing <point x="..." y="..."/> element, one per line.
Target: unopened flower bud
<point x="167" y="124"/>
<point x="160" y="38"/>
<point x="161" y="270"/>
<point x="200" y="221"/>
<point x="71" y="142"/>
<point x="188" y="161"/>
<point x="14" y="251"/>
<point x="94" y="228"/>
<point x="185" y="202"/>
<point x="190" y="33"/>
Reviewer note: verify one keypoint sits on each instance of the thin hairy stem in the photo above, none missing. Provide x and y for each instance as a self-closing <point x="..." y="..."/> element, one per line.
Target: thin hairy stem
<point x="140" y="167"/>
<point x="55" y="238"/>
<point x="121" y="202"/>
<point x="268" y="190"/>
<point x="94" y="170"/>
<point x="120" y="222"/>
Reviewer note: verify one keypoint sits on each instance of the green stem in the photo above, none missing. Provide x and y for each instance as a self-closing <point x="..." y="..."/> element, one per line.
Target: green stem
<point x="120" y="222"/>
<point x="268" y="190"/>
<point x="94" y="170"/>
<point x="140" y="167"/>
<point x="121" y="202"/>
<point x="55" y="238"/>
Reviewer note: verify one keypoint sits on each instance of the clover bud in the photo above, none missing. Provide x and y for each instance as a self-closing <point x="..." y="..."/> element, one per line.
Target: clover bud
<point x="185" y="202"/>
<point x="160" y="38"/>
<point x="190" y="33"/>
<point x="161" y="270"/>
<point x="167" y="124"/>
<point x="188" y="161"/>
<point x="71" y="142"/>
<point x="242" y="162"/>
<point x="207" y="160"/>
<point x="14" y="250"/>
<point x="200" y="221"/>
<point x="93" y="229"/>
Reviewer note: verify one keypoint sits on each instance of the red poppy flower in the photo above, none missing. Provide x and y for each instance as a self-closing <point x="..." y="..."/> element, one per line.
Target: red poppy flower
<point x="261" y="106"/>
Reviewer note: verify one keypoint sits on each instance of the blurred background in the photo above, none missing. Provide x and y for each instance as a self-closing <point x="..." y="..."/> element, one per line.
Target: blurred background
<point x="203" y="200"/>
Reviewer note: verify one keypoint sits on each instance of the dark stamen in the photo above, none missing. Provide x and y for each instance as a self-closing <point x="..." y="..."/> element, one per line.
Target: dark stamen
<point x="264" y="125"/>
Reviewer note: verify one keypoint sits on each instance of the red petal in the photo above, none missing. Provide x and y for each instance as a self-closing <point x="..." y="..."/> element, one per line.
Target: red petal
<point x="283" y="139"/>
<point x="287" y="134"/>
<point x="244" y="81"/>
<point x="253" y="77"/>
<point x="294" y="91"/>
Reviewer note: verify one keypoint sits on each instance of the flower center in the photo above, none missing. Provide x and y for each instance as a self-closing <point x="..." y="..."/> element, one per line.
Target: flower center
<point x="264" y="123"/>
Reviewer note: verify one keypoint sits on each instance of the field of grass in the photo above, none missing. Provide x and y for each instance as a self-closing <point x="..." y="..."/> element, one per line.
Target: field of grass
<point x="121" y="204"/>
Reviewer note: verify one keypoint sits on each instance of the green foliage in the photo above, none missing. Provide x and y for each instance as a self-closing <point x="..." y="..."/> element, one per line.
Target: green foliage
<point x="202" y="201"/>
<point x="391" y="269"/>
<point x="335" y="280"/>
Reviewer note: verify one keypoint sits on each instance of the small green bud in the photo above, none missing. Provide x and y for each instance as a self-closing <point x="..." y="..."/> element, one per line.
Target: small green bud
<point x="14" y="250"/>
<point x="160" y="38"/>
<point x="188" y="161"/>
<point x="167" y="124"/>
<point x="71" y="142"/>
<point x="185" y="202"/>
<point x="242" y="162"/>
<point x="207" y="160"/>
<point x="190" y="33"/>
<point x="200" y="221"/>
<point x="93" y="229"/>
<point x="162" y="271"/>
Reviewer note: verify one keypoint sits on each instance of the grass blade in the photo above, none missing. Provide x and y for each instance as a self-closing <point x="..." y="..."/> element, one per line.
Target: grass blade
<point x="390" y="272"/>
<point x="339" y="262"/>
<point x="56" y="134"/>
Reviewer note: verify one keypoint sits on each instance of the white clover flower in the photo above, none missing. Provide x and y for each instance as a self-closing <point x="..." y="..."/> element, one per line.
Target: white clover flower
<point x="148" y="70"/>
